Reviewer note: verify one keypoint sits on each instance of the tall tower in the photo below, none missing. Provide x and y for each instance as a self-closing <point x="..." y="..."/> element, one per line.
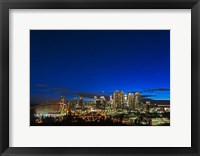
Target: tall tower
<point x="102" y="98"/>
<point x="103" y="102"/>
<point x="121" y="98"/>
<point x="125" y="100"/>
<point x="138" y="100"/>
<point x="116" y="100"/>
<point x="111" y="102"/>
<point x="131" y="103"/>
<point x="95" y="100"/>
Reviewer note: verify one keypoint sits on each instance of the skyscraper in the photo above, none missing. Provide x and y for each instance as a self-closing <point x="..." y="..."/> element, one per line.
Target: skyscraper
<point x="111" y="102"/>
<point x="131" y="101"/>
<point x="116" y="99"/>
<point x="121" y="97"/>
<point x="125" y="100"/>
<point x="95" y="100"/>
<point x="138" y="100"/>
<point x="103" y="101"/>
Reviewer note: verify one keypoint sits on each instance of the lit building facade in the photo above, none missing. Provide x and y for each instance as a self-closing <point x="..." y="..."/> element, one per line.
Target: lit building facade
<point x="138" y="100"/>
<point x="131" y="101"/>
<point x="111" y="102"/>
<point x="116" y="99"/>
<point x="95" y="100"/>
<point x="121" y="97"/>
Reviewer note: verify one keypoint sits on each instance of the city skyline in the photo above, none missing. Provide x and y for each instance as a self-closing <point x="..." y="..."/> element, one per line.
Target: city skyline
<point x="90" y="63"/>
<point x="119" y="110"/>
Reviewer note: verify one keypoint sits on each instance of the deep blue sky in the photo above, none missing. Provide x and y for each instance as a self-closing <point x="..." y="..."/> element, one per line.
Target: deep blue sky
<point x="97" y="62"/>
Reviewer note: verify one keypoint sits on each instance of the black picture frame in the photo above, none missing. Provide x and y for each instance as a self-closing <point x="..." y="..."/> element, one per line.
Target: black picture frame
<point x="5" y="5"/>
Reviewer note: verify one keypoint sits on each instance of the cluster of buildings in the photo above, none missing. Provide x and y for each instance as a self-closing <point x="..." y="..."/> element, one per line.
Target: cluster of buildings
<point x="119" y="100"/>
<point x="130" y="105"/>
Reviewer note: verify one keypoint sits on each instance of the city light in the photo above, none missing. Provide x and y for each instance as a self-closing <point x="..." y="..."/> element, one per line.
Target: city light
<point x="119" y="109"/>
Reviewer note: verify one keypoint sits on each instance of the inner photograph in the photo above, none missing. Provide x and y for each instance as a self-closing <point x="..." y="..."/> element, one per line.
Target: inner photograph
<point x="99" y="77"/>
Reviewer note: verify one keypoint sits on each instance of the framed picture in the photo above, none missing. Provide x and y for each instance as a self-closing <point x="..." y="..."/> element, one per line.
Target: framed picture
<point x="99" y="77"/>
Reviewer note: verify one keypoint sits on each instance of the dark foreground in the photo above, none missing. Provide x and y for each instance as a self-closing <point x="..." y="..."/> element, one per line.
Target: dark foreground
<point x="91" y="119"/>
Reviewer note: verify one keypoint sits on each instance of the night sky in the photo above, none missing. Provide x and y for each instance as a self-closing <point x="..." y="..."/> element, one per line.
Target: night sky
<point x="85" y="63"/>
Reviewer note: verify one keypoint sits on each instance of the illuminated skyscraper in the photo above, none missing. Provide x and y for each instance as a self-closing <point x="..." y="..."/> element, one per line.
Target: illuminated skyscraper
<point x="131" y="101"/>
<point x="121" y="97"/>
<point x="116" y="99"/>
<point x="102" y="98"/>
<point x="103" y="101"/>
<point x="138" y="100"/>
<point x="111" y="102"/>
<point x="95" y="100"/>
<point x="125" y="100"/>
